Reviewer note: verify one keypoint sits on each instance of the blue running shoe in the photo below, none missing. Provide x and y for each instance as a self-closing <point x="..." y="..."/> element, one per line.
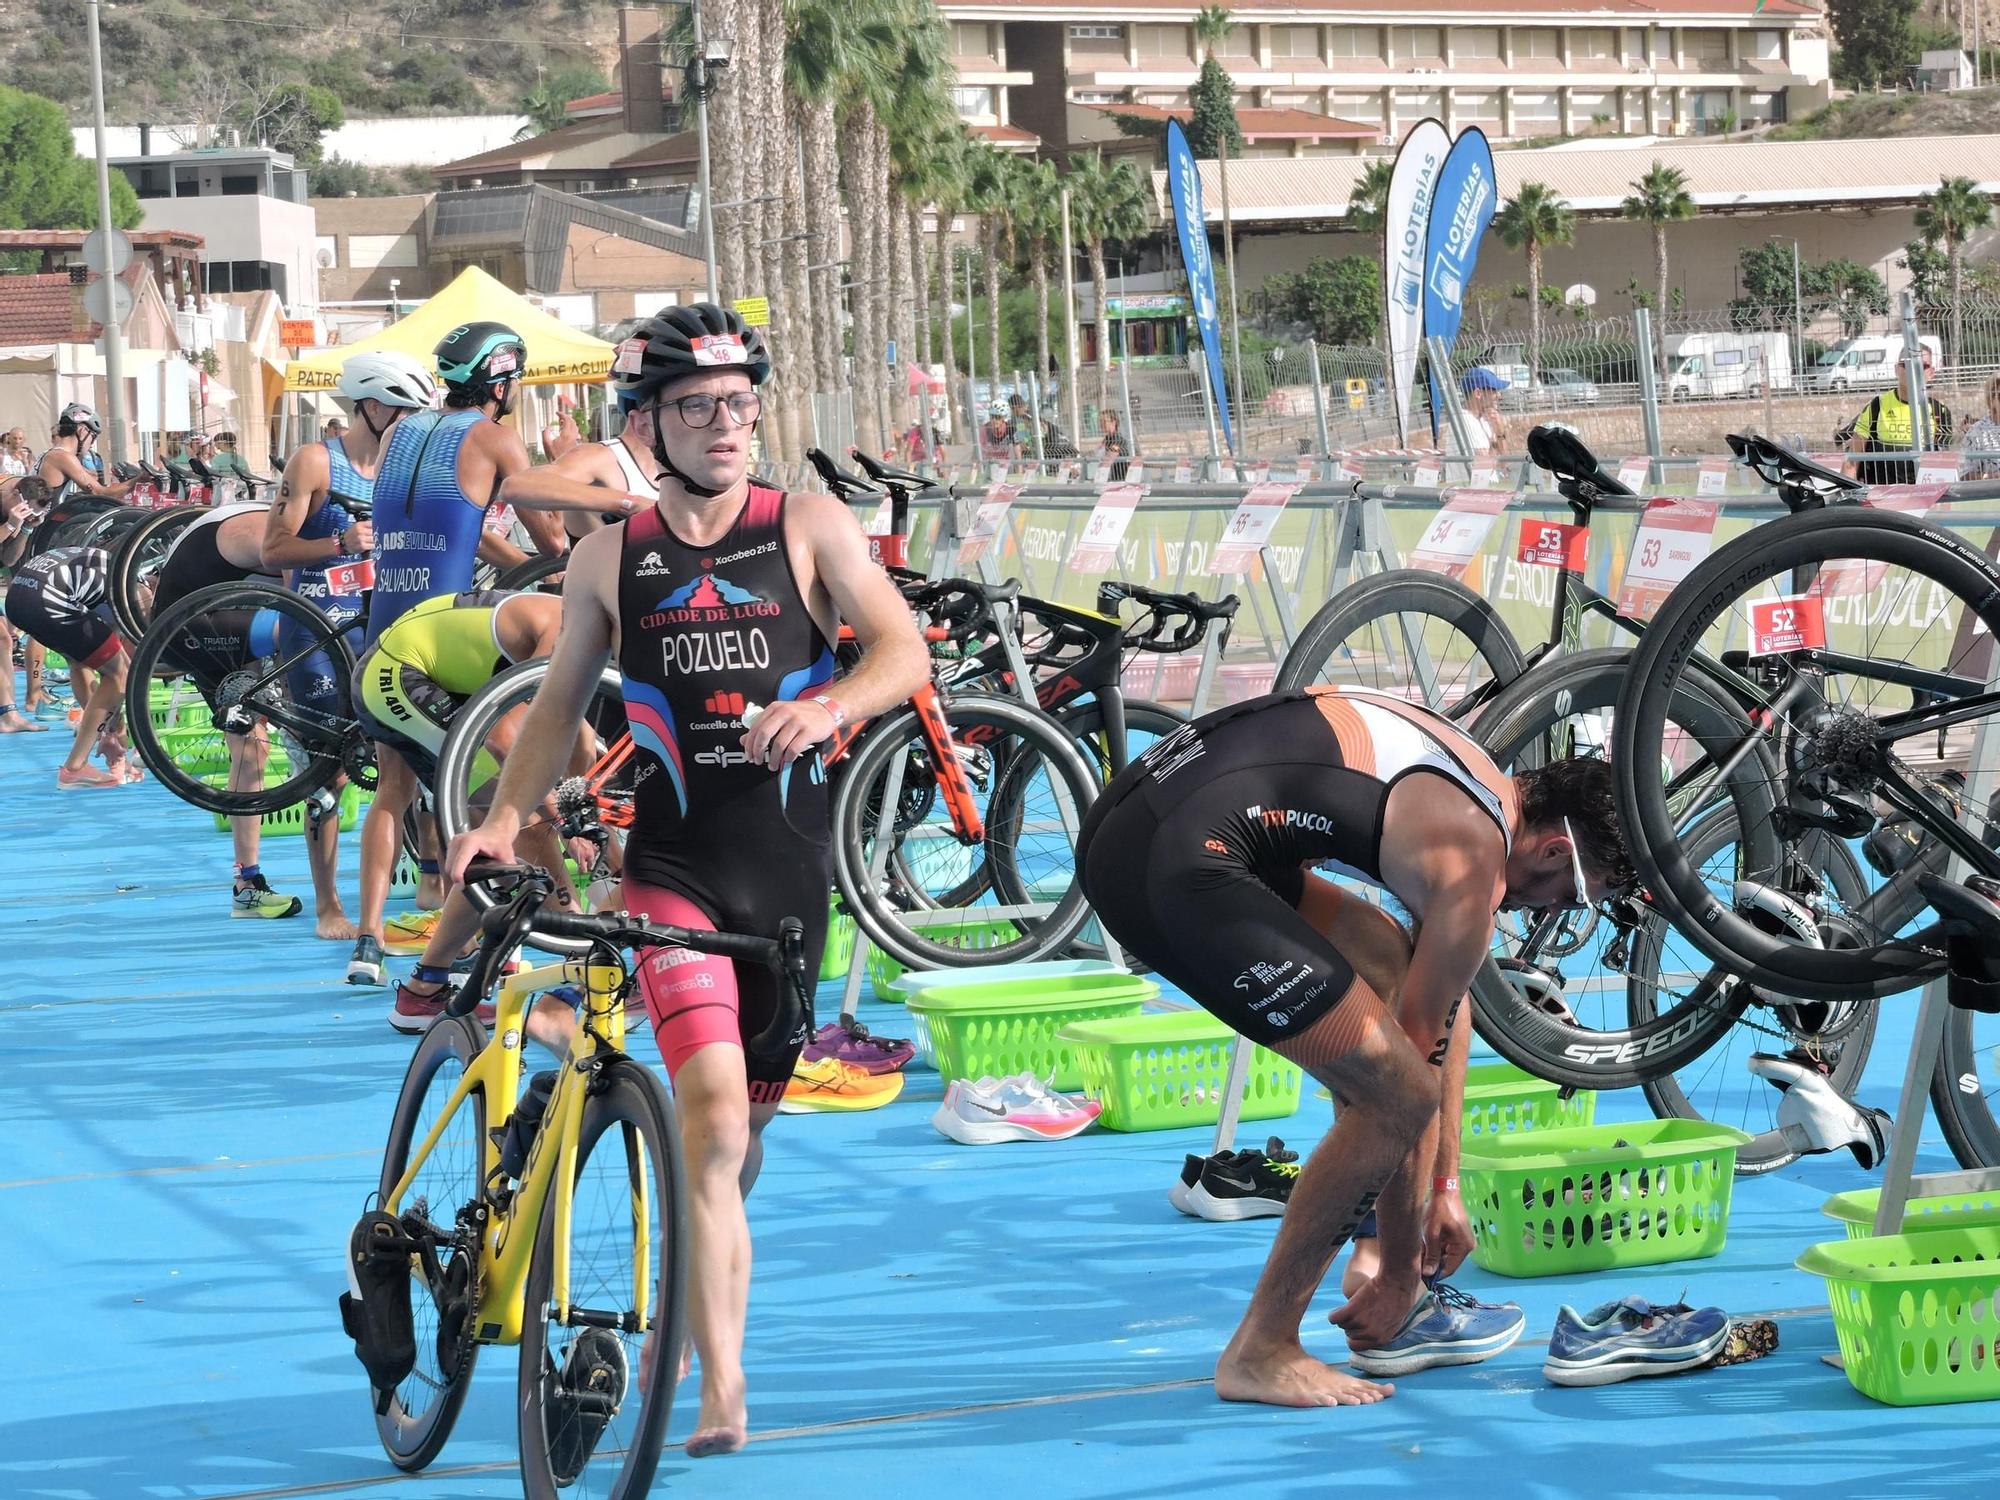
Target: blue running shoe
<point x="1631" y="1338"/>
<point x="1446" y="1327"/>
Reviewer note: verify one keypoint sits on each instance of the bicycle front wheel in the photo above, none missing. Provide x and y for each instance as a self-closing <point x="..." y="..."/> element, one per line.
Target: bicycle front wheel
<point x="597" y="1374"/>
<point x="258" y="652"/>
<point x="424" y="1406"/>
<point x="1863" y="629"/>
<point x="1410" y="633"/>
<point x="1014" y="799"/>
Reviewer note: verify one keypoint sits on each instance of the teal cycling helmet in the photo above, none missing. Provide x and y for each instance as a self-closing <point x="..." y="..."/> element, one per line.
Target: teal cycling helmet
<point x="483" y="354"/>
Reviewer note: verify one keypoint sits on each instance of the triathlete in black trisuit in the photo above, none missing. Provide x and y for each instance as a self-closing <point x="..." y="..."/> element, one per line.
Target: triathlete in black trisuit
<point x="1197" y="859"/>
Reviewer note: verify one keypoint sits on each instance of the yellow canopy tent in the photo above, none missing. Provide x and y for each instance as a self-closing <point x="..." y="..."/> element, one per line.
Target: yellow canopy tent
<point x="557" y="353"/>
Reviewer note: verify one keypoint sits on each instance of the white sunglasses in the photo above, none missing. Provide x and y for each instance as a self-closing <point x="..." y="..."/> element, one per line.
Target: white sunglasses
<point x="1576" y="865"/>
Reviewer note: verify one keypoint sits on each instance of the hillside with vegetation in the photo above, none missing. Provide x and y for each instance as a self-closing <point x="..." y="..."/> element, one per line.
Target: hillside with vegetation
<point x="177" y="60"/>
<point x="1973" y="112"/>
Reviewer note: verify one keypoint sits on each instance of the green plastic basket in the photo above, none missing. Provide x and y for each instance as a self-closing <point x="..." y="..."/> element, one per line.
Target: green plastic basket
<point x="977" y="1031"/>
<point x="177" y="706"/>
<point x="967" y="932"/>
<point x="1551" y="1202"/>
<point x="202" y="751"/>
<point x="1501" y="1099"/>
<point x="1917" y="1315"/>
<point x="1157" y="1072"/>
<point x="1856" y="1210"/>
<point x="839" y="952"/>
<point x="292" y="820"/>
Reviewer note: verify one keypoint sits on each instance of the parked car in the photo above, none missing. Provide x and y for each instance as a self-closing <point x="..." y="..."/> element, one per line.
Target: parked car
<point x="1553" y="390"/>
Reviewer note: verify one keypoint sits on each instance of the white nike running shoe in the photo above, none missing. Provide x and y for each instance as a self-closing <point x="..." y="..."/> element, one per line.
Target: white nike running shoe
<point x="1021" y="1108"/>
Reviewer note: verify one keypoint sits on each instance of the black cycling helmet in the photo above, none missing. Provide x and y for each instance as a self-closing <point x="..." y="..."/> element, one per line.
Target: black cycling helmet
<point x="676" y="342"/>
<point x="480" y="354"/>
<point x="697" y="339"/>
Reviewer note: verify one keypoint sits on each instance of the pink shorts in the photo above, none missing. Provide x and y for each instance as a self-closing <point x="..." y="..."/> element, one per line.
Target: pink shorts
<point x="695" y="1000"/>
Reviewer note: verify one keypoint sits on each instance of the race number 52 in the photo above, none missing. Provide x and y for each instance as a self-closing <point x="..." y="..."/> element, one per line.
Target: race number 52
<point x="1779" y="627"/>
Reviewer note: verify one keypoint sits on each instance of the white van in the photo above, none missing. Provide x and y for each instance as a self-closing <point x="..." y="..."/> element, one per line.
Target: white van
<point x="1867" y="363"/>
<point x="1706" y="366"/>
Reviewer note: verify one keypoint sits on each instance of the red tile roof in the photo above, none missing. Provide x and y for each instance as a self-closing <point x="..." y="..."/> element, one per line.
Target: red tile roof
<point x="1519" y="12"/>
<point x="1005" y="135"/>
<point x="1261" y="124"/>
<point x="72" y="239"/>
<point x="39" y="309"/>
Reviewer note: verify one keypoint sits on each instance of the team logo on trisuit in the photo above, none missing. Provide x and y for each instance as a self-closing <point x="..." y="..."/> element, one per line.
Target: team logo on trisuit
<point x="652" y="565"/>
<point x="710" y="599"/>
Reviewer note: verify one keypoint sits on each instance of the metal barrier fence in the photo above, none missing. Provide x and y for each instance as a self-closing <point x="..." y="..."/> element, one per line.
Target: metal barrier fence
<point x="1326" y="537"/>
<point x="1717" y="371"/>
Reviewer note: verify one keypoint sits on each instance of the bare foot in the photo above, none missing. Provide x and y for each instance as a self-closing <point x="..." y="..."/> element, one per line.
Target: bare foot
<point x="724" y="1424"/>
<point x="1288" y="1376"/>
<point x="334" y="926"/>
<point x="430" y="892"/>
<point x="12" y="722"/>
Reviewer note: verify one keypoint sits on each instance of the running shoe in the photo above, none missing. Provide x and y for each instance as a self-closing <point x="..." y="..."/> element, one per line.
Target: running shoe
<point x="1019" y="1108"/>
<point x="1631" y="1338"/>
<point x="830" y="1086"/>
<point x="407" y="933"/>
<point x="54" y="708"/>
<point x="85" y="778"/>
<point x="255" y="898"/>
<point x="854" y="1046"/>
<point x="1446" y="1327"/>
<point x="415" y="1013"/>
<point x="1248" y="1184"/>
<point x="365" y="966"/>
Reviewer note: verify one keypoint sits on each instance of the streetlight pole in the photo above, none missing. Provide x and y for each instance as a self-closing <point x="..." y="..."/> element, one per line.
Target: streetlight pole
<point x="114" y="336"/>
<point x="971" y="362"/>
<point x="699" y="85"/>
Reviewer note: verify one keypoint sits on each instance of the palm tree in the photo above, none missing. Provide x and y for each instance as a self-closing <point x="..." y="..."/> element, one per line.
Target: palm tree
<point x="991" y="192"/>
<point x="1368" y="203"/>
<point x="1660" y="198"/>
<point x="946" y="178"/>
<point x="1038" y="221"/>
<point x="1109" y="203"/>
<point x="1532" y="218"/>
<point x="1948" y="217"/>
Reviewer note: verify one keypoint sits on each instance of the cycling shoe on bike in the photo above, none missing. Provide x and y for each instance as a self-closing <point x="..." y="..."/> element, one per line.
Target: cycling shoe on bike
<point x="1813" y="1117"/>
<point x="588" y="1390"/>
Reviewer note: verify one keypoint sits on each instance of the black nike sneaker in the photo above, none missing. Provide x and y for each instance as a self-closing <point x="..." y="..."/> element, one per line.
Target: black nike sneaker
<point x="1248" y="1184"/>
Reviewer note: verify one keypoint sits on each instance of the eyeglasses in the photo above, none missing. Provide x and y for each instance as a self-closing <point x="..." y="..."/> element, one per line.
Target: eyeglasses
<point x="1576" y="865"/>
<point x="744" y="407"/>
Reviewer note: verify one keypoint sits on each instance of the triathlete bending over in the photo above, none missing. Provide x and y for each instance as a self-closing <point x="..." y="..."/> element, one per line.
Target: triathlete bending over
<point x="1197" y="858"/>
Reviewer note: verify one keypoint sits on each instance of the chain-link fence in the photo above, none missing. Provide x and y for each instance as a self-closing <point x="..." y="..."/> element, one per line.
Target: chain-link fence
<point x="1715" y="372"/>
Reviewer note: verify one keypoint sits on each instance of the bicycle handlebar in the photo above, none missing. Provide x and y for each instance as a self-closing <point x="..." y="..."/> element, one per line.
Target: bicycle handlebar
<point x="1193" y="613"/>
<point x="505" y="927"/>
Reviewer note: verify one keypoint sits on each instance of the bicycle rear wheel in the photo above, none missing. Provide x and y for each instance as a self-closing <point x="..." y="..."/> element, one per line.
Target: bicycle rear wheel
<point x="250" y="647"/>
<point x="542" y="575"/>
<point x="597" y="1378"/>
<point x="1617" y="1020"/>
<point x="1413" y="634"/>
<point x="1966" y="1086"/>
<point x="1029" y="788"/>
<point x="141" y="553"/>
<point x="1903" y="615"/>
<point x="424" y="1406"/>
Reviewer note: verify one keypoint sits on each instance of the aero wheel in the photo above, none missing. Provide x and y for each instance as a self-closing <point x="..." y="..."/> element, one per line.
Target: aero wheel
<point x="142" y="552"/>
<point x="263" y="657"/>
<point x="1417" y="635"/>
<point x="597" y="1373"/>
<point x="600" y="764"/>
<point x="422" y="1409"/>
<point x="1597" y="999"/>
<point x="542" y="575"/>
<point x="908" y="831"/>
<point x="1966" y="1087"/>
<point x="1861" y="631"/>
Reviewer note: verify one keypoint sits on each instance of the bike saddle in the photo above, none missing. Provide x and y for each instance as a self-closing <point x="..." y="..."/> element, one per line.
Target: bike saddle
<point x="881" y="473"/>
<point x="842" y="485"/>
<point x="1777" y="466"/>
<point x="1561" y="452"/>
<point x="202" y="471"/>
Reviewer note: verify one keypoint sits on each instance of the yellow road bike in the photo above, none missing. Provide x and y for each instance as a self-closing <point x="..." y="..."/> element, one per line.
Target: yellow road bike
<point x="552" y="1217"/>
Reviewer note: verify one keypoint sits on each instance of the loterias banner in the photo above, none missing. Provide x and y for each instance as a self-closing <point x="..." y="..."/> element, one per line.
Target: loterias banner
<point x="1405" y="234"/>
<point x="1184" y="188"/>
<point x="1463" y="201"/>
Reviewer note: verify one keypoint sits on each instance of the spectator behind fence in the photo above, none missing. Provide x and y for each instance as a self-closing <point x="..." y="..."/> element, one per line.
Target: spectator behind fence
<point x="1482" y="389"/>
<point x="1981" y="443"/>
<point x="1887" y="425"/>
<point x="997" y="443"/>
<point x="1113" y="452"/>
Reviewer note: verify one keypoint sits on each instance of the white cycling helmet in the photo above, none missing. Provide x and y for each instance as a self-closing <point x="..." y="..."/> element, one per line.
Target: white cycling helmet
<point x="390" y="378"/>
